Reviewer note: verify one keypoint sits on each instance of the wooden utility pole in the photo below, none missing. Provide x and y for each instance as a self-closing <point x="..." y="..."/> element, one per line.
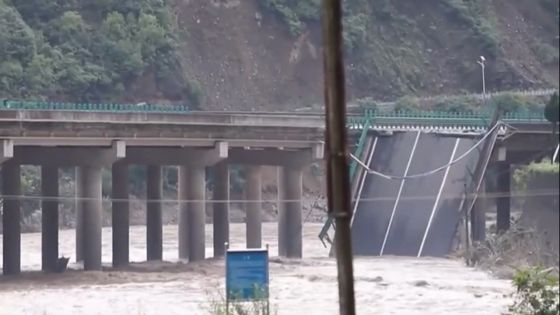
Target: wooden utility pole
<point x="338" y="179"/>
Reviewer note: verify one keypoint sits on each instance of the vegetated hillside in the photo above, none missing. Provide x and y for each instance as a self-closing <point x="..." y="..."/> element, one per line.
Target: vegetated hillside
<point x="266" y="54"/>
<point x="90" y="50"/>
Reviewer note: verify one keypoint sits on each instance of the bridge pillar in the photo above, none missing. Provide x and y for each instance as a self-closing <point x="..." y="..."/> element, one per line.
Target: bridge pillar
<point x="154" y="228"/>
<point x="120" y="214"/>
<point x="221" y="208"/>
<point x="290" y="189"/>
<point x="79" y="214"/>
<point x="192" y="186"/>
<point x="90" y="177"/>
<point x="478" y="216"/>
<point x="253" y="207"/>
<point x="49" y="218"/>
<point x="504" y="196"/>
<point x="11" y="241"/>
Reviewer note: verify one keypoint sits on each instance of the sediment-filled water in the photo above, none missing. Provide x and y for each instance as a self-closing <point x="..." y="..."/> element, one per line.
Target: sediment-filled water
<point x="384" y="285"/>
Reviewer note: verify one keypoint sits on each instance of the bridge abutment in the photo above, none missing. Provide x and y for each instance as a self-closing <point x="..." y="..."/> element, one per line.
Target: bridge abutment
<point x="220" y="214"/>
<point x="290" y="189"/>
<point x="192" y="186"/>
<point x="120" y="214"/>
<point x="90" y="177"/>
<point x="49" y="218"/>
<point x="11" y="241"/>
<point x="154" y="227"/>
<point x="253" y="207"/>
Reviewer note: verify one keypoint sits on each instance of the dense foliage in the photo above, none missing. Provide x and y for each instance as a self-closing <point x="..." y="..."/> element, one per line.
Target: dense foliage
<point x="537" y="292"/>
<point x="87" y="50"/>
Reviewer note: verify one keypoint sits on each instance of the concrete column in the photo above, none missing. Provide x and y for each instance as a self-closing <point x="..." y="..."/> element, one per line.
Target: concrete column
<point x="290" y="188"/>
<point x="221" y="208"/>
<point x="120" y="214"/>
<point x="182" y="194"/>
<point x="49" y="218"/>
<point x="503" y="200"/>
<point x="253" y="207"/>
<point x="282" y="218"/>
<point x="192" y="186"/>
<point x="90" y="177"/>
<point x="79" y="215"/>
<point x="478" y="216"/>
<point x="11" y="241"/>
<point x="154" y="236"/>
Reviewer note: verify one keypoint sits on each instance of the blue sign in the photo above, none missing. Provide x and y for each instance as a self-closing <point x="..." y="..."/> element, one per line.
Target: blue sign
<point x="247" y="274"/>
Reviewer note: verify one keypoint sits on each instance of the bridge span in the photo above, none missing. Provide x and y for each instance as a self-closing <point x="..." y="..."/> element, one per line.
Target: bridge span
<point x="90" y="137"/>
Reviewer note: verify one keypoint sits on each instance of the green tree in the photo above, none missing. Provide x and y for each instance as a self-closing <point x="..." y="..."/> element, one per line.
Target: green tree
<point x="114" y="27"/>
<point x="152" y="37"/>
<point x="39" y="77"/>
<point x="17" y="40"/>
<point x="38" y="12"/>
<point x="11" y="73"/>
<point x="69" y="30"/>
<point x="121" y="53"/>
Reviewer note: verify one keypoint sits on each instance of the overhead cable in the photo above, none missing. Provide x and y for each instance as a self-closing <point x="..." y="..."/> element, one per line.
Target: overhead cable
<point x="428" y="173"/>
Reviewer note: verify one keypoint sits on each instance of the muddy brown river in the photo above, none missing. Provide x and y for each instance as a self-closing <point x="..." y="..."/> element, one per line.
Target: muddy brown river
<point x="386" y="285"/>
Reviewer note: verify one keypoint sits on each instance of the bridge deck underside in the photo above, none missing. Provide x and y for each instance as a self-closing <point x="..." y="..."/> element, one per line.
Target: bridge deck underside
<point x="417" y="216"/>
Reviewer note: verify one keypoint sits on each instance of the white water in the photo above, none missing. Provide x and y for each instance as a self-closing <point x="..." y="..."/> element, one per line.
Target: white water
<point x="386" y="285"/>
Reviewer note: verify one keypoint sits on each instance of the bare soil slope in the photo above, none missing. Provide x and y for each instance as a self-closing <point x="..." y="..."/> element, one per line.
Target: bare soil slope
<point x="244" y="57"/>
<point x="244" y="60"/>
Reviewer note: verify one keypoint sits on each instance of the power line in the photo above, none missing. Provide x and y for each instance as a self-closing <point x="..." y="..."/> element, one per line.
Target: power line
<point x="431" y="172"/>
<point x="532" y="193"/>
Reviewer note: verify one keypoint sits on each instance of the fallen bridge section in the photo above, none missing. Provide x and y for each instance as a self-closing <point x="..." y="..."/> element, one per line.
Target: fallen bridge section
<point x="412" y="215"/>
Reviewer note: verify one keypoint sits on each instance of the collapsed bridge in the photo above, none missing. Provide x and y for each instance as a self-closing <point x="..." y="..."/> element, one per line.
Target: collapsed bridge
<point x="412" y="178"/>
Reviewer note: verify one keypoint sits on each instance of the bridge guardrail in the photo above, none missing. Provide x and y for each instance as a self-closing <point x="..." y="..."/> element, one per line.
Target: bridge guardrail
<point x="440" y="119"/>
<point x="353" y="166"/>
<point x="409" y="118"/>
<point x="130" y="108"/>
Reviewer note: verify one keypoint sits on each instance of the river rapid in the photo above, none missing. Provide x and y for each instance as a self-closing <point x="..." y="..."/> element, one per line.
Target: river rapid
<point x="386" y="285"/>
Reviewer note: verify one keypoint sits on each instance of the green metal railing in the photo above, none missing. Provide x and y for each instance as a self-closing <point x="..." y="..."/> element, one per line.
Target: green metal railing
<point x="441" y="119"/>
<point x="408" y="118"/>
<point x="353" y="167"/>
<point x="91" y="107"/>
<point x="359" y="148"/>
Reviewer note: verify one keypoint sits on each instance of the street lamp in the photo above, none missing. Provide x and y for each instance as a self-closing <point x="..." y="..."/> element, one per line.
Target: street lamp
<point x="482" y="65"/>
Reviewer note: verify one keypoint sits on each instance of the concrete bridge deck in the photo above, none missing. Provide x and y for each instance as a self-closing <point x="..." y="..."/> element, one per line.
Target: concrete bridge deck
<point x="193" y="141"/>
<point x="193" y="129"/>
